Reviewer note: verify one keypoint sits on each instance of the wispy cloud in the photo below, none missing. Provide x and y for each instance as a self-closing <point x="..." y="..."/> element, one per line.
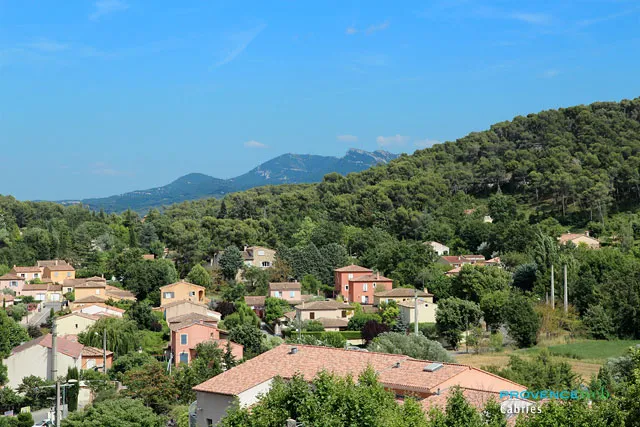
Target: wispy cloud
<point x="107" y="7"/>
<point x="531" y="18"/>
<point x="240" y="42"/>
<point x="350" y="31"/>
<point x="347" y="138"/>
<point x="103" y="169"/>
<point x="424" y="143"/>
<point x="386" y="141"/>
<point x="255" y="144"/>
<point x="379" y="27"/>
<point x="45" y="45"/>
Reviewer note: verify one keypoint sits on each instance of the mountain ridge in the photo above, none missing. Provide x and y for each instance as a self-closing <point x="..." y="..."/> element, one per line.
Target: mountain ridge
<point x="289" y="168"/>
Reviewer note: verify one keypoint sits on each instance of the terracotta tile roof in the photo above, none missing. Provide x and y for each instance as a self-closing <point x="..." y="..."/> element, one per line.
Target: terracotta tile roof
<point x="94" y="352"/>
<point x="90" y="299"/>
<point x="455" y="270"/>
<point x="7" y="297"/>
<point x="200" y="323"/>
<point x="85" y="284"/>
<point x="101" y="304"/>
<point x="183" y="301"/>
<point x="148" y="256"/>
<point x="290" y="315"/>
<point x="120" y="293"/>
<point x="60" y="267"/>
<point x="65" y="346"/>
<point x="285" y="286"/>
<point x="254" y="300"/>
<point x="324" y="305"/>
<point x="402" y="293"/>
<point x="182" y="283"/>
<point x="457" y="259"/>
<point x="27" y="269"/>
<point x="179" y="322"/>
<point x="353" y="269"/>
<point x="80" y="314"/>
<point x="371" y="278"/>
<point x="11" y="276"/>
<point x="566" y="237"/>
<point x="333" y="323"/>
<point x="49" y="287"/>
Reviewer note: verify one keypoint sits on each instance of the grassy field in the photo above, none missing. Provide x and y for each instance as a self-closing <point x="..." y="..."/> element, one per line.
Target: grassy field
<point x="585" y="356"/>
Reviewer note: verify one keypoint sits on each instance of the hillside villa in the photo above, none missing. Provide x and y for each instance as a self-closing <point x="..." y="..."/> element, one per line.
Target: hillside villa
<point x="333" y="315"/>
<point x="180" y="291"/>
<point x="59" y="272"/>
<point x="423" y="380"/>
<point x="189" y="330"/>
<point x="359" y="284"/>
<point x="27" y="273"/>
<point x="438" y="248"/>
<point x="398" y="295"/>
<point x="256" y="303"/>
<point x="579" y="239"/>
<point x="13" y="282"/>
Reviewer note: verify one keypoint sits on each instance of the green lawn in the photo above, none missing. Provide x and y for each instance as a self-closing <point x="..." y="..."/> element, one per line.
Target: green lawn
<point x="589" y="350"/>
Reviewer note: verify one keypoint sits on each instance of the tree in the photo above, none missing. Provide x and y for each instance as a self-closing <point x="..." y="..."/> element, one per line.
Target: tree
<point x="250" y="337"/>
<point x="141" y="313"/>
<point x="333" y="339"/>
<point x="473" y="281"/>
<point x="233" y="291"/>
<point x="145" y="278"/>
<point x="199" y="276"/>
<point x="74" y="390"/>
<point x="454" y="316"/>
<point x="493" y="306"/>
<point x="256" y="279"/>
<point x="598" y="323"/>
<point x="415" y="346"/>
<point x="123" y="335"/>
<point x="121" y="412"/>
<point x="11" y="334"/>
<point x="128" y="362"/>
<point x="151" y="384"/>
<point x="357" y="321"/>
<point x="230" y="262"/>
<point x="522" y="320"/>
<point x="35" y="391"/>
<point x="373" y="328"/>
<point x="275" y="309"/>
<point x="389" y="312"/>
<point x="242" y="316"/>
<point x="208" y="362"/>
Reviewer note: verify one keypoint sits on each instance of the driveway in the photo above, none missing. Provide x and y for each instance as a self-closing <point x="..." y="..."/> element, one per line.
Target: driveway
<point x="39" y="317"/>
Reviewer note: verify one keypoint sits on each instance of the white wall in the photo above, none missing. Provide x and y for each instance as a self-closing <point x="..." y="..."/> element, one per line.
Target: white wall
<point x="211" y="406"/>
<point x="36" y="361"/>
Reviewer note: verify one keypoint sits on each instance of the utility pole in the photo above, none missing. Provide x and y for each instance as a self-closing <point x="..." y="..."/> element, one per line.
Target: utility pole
<point x="104" y="351"/>
<point x="566" y="293"/>
<point x="54" y="367"/>
<point x="553" y="291"/>
<point x="415" y="314"/>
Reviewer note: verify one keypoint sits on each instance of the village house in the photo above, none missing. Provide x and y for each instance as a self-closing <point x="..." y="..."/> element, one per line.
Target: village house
<point x="580" y="239"/>
<point x="182" y="291"/>
<point x="426" y="310"/>
<point x="12" y="282"/>
<point x="49" y="262"/>
<point x="258" y="256"/>
<point x="288" y="291"/>
<point x="398" y="295"/>
<point x="358" y="284"/>
<point x="460" y="260"/>
<point x="99" y="309"/>
<point x="27" y="273"/>
<point x="439" y="248"/>
<point x="47" y="292"/>
<point x="91" y="288"/>
<point x="59" y="272"/>
<point x="256" y="303"/>
<point x="182" y="307"/>
<point x="75" y="322"/>
<point x="319" y="310"/>
<point x="192" y="330"/>
<point x="422" y="380"/>
<point x="34" y="358"/>
<point x="93" y="358"/>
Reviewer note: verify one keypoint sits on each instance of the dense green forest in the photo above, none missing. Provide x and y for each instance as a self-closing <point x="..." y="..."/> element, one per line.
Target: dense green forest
<point x="537" y="176"/>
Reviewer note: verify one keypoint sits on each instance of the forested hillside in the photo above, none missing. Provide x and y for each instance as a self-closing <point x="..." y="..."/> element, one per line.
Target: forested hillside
<point x="537" y="176"/>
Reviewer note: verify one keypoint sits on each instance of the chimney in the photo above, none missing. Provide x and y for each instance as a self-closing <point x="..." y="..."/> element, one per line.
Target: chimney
<point x="56" y="262"/>
<point x="586" y="233"/>
<point x="294" y="350"/>
<point x="377" y="275"/>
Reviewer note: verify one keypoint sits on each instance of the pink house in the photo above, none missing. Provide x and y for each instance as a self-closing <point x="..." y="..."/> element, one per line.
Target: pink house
<point x="13" y="282"/>
<point x="185" y="336"/>
<point x="27" y="273"/>
<point x="288" y="291"/>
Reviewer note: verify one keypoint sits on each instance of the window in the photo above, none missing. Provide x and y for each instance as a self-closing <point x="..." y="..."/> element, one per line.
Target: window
<point x="350" y="276"/>
<point x="312" y="315"/>
<point x="365" y="299"/>
<point x="14" y="284"/>
<point x="266" y="264"/>
<point x="209" y="422"/>
<point x="76" y="326"/>
<point x="277" y="294"/>
<point x="365" y="287"/>
<point x="184" y="358"/>
<point x="192" y="293"/>
<point x="35" y="275"/>
<point x="344" y="313"/>
<point x="346" y="287"/>
<point x="91" y="363"/>
<point x="168" y="295"/>
<point x="22" y="275"/>
<point x="292" y="294"/>
<point x="97" y="291"/>
<point x="374" y="285"/>
<point x="69" y="274"/>
<point x="183" y="339"/>
<point x="261" y="253"/>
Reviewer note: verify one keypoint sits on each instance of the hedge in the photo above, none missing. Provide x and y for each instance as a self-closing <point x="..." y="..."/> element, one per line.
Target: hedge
<point x="348" y="335"/>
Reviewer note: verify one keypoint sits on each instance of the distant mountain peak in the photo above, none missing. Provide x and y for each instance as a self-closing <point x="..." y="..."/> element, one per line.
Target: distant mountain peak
<point x="289" y="168"/>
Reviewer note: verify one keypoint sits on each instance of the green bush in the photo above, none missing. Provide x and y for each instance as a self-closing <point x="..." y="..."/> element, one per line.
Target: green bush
<point x="348" y="335"/>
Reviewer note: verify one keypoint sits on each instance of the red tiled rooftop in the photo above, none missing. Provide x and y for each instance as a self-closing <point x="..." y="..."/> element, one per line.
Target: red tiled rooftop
<point x="353" y="269"/>
<point x="65" y="346"/>
<point x="371" y="278"/>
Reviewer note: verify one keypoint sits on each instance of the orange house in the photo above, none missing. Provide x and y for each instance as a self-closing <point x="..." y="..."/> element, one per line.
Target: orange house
<point x="185" y="336"/>
<point x="180" y="291"/>
<point x="60" y="272"/>
<point x="363" y="288"/>
<point x="342" y="277"/>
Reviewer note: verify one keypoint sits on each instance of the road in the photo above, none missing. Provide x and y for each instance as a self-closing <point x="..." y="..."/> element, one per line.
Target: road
<point x="39" y="317"/>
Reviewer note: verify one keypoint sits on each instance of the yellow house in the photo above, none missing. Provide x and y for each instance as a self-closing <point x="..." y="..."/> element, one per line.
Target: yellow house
<point x="182" y="291"/>
<point x="58" y="273"/>
<point x="74" y="323"/>
<point x="398" y="295"/>
<point x="92" y="288"/>
<point x="426" y="310"/>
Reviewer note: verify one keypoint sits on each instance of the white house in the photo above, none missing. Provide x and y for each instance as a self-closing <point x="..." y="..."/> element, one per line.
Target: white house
<point x="34" y="358"/>
<point x="426" y="310"/>
<point x="439" y="248"/>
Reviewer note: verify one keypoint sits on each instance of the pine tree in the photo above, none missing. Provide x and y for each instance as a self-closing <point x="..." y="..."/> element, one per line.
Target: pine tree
<point x="222" y="213"/>
<point x="228" y="359"/>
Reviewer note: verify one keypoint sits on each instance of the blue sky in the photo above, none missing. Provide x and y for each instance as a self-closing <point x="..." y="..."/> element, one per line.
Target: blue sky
<point x="103" y="97"/>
